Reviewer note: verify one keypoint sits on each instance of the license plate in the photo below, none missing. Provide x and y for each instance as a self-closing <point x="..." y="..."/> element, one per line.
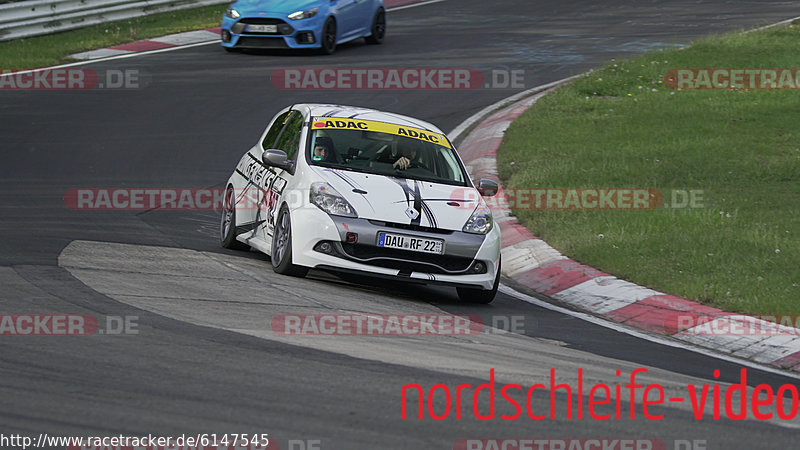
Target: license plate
<point x="262" y="28"/>
<point x="414" y="244"/>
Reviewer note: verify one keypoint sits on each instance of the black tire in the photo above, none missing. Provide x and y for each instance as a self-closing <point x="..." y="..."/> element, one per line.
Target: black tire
<point x="378" y="28"/>
<point x="328" y="40"/>
<point x="227" y="223"/>
<point x="480" y="296"/>
<point x="282" y="247"/>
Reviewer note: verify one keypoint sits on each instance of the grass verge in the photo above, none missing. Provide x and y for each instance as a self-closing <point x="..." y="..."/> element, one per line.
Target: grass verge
<point x="621" y="127"/>
<point x="52" y="49"/>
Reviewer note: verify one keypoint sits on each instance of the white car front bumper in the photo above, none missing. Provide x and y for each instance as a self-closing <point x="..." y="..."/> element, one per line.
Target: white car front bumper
<point x="457" y="267"/>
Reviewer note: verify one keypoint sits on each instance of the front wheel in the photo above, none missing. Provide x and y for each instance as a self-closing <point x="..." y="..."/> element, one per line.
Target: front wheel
<point x="282" y="247"/>
<point x="378" y="28"/>
<point x="328" y="37"/>
<point x="227" y="223"/>
<point x="478" y="295"/>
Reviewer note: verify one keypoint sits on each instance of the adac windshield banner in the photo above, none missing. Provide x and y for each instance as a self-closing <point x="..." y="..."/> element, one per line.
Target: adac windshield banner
<point x="336" y="123"/>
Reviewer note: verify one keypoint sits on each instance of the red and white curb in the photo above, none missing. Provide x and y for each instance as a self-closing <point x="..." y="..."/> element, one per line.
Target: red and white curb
<point x="172" y="40"/>
<point x="530" y="262"/>
<point x="205" y="36"/>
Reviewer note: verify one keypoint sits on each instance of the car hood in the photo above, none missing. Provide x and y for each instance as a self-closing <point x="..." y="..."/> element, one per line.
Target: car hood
<point x="401" y="200"/>
<point x="278" y="7"/>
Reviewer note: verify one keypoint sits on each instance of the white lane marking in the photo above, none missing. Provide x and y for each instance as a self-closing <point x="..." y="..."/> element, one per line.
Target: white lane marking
<point x="168" y="49"/>
<point x="670" y="342"/>
<point x="776" y="24"/>
<point x="415" y="5"/>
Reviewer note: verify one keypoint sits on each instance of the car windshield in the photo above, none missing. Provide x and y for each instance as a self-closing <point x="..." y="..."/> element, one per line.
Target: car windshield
<point x="384" y="149"/>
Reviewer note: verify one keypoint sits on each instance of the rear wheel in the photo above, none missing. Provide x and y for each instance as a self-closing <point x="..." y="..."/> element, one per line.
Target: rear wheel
<point x="378" y="28"/>
<point x="282" y="247"/>
<point x="227" y="223"/>
<point x="328" y="37"/>
<point x="478" y="295"/>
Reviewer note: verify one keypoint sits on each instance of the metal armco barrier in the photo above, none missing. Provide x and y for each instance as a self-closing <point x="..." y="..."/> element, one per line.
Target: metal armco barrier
<point x="37" y="17"/>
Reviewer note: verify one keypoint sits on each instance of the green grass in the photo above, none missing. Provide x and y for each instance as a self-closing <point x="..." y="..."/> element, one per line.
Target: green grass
<point x="42" y="51"/>
<point x="621" y="127"/>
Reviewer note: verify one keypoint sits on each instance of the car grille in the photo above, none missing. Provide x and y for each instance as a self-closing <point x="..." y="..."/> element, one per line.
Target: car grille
<point x="254" y="42"/>
<point x="405" y="260"/>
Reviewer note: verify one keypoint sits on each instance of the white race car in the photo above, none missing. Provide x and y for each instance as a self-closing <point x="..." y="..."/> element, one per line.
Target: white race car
<point x="354" y="190"/>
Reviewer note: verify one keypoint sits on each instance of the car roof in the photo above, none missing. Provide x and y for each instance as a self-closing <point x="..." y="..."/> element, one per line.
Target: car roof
<point x="356" y="112"/>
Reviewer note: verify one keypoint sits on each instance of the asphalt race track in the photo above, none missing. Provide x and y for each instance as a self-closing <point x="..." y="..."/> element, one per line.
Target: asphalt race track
<point x="204" y="359"/>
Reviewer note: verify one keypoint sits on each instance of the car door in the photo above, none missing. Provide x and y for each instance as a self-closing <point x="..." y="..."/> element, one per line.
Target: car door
<point x="362" y="21"/>
<point x="255" y="171"/>
<point x="346" y="12"/>
<point x="273" y="184"/>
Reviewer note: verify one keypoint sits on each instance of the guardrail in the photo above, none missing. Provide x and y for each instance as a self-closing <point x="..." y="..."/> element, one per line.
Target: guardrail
<point x="36" y="17"/>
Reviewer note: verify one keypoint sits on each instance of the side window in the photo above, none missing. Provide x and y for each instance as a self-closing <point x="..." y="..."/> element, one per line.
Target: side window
<point x="274" y="131"/>
<point x="289" y="139"/>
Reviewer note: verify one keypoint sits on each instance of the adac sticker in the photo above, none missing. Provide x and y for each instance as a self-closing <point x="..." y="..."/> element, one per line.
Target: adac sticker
<point x="327" y="123"/>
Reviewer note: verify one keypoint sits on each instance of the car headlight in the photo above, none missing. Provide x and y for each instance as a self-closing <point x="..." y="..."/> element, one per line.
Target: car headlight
<point x="481" y="220"/>
<point x="307" y="14"/>
<point x="232" y="13"/>
<point x="330" y="200"/>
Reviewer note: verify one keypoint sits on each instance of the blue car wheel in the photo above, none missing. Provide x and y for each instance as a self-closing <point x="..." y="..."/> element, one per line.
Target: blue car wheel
<point x="378" y="28"/>
<point x="328" y="37"/>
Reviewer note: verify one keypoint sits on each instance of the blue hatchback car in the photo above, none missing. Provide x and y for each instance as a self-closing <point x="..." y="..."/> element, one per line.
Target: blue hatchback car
<point x="315" y="24"/>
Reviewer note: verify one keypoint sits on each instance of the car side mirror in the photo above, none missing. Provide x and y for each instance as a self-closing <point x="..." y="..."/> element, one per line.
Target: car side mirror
<point x="487" y="187"/>
<point x="276" y="158"/>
